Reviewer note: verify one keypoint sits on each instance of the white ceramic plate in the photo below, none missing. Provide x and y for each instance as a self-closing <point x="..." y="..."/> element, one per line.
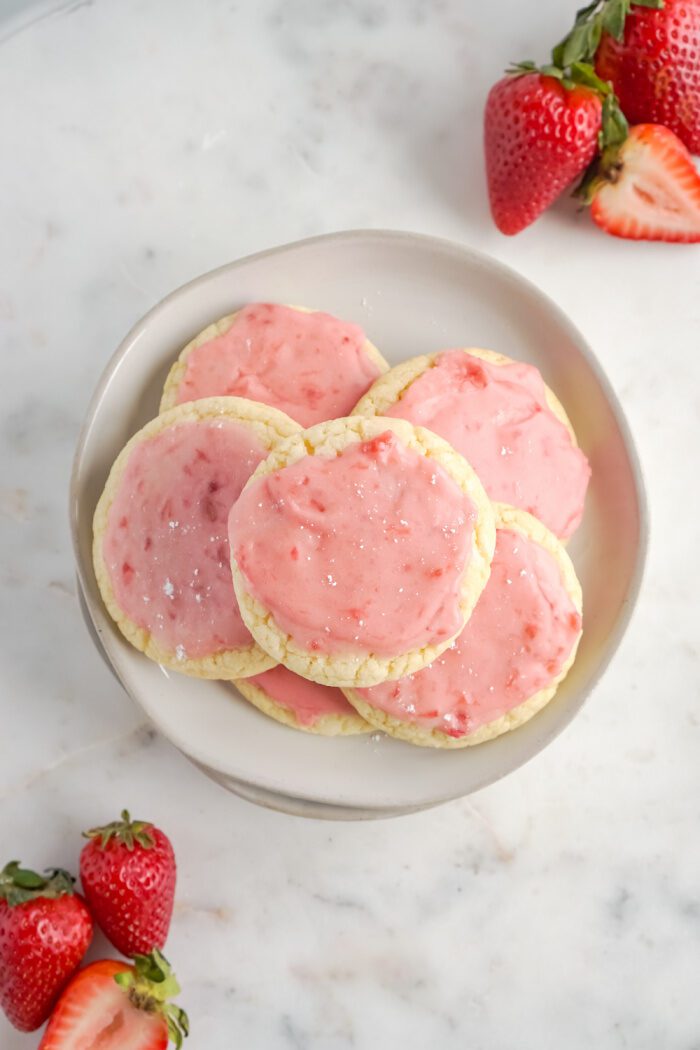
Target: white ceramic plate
<point x="412" y="294"/>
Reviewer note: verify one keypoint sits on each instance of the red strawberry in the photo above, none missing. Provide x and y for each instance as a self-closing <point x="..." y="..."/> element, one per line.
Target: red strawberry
<point x="128" y="874"/>
<point x="114" y="1006"/>
<point x="539" y="135"/>
<point x="45" y="930"/>
<point x="654" y="67"/>
<point x="648" y="188"/>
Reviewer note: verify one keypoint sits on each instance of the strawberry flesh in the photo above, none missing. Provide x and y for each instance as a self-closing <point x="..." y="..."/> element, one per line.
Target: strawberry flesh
<point x="652" y="190"/>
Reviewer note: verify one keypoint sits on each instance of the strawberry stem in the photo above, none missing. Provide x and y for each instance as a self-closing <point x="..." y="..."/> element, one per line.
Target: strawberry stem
<point x="19" y="885"/>
<point x="150" y="985"/>
<point x="613" y="132"/>
<point x="126" y="831"/>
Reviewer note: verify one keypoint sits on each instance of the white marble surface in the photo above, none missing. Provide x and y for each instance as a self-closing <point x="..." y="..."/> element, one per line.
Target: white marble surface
<point x="143" y="142"/>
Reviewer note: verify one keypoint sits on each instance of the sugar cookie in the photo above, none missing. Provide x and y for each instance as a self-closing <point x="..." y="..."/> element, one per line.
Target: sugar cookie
<point x="160" y="549"/>
<point x="359" y="549"/>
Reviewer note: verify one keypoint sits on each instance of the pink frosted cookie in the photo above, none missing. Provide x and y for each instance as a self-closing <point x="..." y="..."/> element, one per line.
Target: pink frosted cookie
<point x="500" y="415"/>
<point x="359" y="548"/>
<point x="161" y="552"/>
<point x="306" y="363"/>
<point x="301" y="704"/>
<point x="508" y="661"/>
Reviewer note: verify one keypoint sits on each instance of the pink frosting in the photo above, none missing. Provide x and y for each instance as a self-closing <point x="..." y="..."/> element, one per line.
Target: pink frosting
<point x="361" y="552"/>
<point x="166" y="543"/>
<point x="515" y="643"/>
<point x="309" y="701"/>
<point x="497" y="417"/>
<point x="310" y="365"/>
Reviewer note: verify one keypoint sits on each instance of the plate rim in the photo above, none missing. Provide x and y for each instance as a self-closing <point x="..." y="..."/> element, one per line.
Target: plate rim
<point x="506" y="273"/>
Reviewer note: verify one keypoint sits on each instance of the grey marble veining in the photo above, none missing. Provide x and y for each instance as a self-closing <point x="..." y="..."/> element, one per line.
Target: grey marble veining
<point x="146" y="142"/>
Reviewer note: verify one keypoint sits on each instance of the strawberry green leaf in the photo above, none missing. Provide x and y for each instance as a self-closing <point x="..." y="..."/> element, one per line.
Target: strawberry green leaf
<point x="595" y="32"/>
<point x="155" y="969"/>
<point x="656" y="4"/>
<point x="178" y="1025"/>
<point x="613" y="17"/>
<point x="576" y="46"/>
<point x="27" y="880"/>
<point x="19" y="885"/>
<point x="614" y="126"/>
<point x="517" y="69"/>
<point x="585" y="74"/>
<point x="583" y="13"/>
<point x="558" y="53"/>
<point x="126" y="831"/>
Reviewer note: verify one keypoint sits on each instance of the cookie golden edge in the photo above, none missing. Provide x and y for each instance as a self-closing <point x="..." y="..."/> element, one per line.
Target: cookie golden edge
<point x="350" y="724"/>
<point x="390" y="387"/>
<point x="270" y="426"/>
<point x="179" y="368"/>
<point x="533" y="529"/>
<point x="341" y="670"/>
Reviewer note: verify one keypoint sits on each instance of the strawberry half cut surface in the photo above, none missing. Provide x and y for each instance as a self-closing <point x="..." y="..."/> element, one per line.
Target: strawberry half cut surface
<point x="113" y="1006"/>
<point x="647" y="188"/>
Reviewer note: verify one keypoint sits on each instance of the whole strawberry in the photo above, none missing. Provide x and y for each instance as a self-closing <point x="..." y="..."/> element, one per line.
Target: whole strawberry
<point x="651" y="55"/>
<point x="128" y="874"/>
<point x="45" y="930"/>
<point x="540" y="133"/>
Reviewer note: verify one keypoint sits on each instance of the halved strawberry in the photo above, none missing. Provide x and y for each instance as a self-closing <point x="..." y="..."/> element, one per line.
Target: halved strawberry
<point x="114" y="1006"/>
<point x="648" y="188"/>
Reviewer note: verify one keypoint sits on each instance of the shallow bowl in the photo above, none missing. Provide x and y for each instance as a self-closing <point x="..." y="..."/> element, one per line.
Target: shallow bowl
<point x="412" y="294"/>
